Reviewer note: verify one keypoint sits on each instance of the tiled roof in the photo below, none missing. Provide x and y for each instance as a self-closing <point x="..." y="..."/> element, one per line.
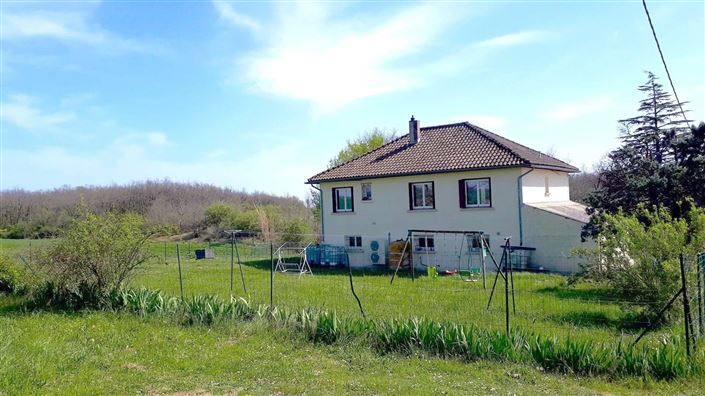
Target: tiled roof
<point x="442" y="148"/>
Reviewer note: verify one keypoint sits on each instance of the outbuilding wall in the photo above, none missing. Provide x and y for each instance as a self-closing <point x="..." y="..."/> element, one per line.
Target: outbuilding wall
<point x="554" y="237"/>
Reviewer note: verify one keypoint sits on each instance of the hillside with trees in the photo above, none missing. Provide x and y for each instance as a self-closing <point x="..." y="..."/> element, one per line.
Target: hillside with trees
<point x="178" y="208"/>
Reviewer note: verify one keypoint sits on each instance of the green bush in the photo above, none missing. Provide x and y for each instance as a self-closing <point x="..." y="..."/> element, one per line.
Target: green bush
<point x="637" y="258"/>
<point x="296" y="231"/>
<point x="95" y="256"/>
<point x="12" y="277"/>
<point x="15" y="231"/>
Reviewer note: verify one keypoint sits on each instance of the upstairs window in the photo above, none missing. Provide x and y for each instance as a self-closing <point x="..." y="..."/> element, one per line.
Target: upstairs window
<point x="421" y="196"/>
<point x="475" y="193"/>
<point x="342" y="199"/>
<point x="366" y="189"/>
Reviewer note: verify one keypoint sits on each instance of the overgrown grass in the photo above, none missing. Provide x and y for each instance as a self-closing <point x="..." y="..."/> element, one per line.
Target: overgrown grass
<point x="469" y="343"/>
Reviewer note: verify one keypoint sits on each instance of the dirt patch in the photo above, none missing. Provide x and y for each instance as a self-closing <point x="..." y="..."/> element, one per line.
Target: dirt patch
<point x="134" y="366"/>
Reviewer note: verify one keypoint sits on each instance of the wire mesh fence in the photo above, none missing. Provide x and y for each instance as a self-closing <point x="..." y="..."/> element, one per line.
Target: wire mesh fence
<point x="436" y="279"/>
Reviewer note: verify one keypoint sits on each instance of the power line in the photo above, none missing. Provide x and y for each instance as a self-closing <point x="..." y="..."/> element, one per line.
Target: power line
<point x="663" y="60"/>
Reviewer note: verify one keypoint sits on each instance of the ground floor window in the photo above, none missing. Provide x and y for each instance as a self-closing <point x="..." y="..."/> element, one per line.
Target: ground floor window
<point x="474" y="242"/>
<point x="424" y="243"/>
<point x="353" y="241"/>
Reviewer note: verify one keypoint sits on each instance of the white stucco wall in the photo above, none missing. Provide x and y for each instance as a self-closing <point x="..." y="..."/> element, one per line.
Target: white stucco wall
<point x="554" y="237"/>
<point x="388" y="212"/>
<point x="534" y="186"/>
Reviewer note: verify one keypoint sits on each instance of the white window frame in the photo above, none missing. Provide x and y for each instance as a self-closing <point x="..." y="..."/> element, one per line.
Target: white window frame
<point x="412" y="196"/>
<point x="477" y="189"/>
<point x="424" y="249"/>
<point x="362" y="191"/>
<point x="336" y="209"/>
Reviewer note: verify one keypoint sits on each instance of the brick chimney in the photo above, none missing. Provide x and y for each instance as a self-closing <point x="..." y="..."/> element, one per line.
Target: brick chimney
<point x="414" y="131"/>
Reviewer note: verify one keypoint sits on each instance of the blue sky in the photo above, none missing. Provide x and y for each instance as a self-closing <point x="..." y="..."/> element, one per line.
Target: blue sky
<point x="259" y="96"/>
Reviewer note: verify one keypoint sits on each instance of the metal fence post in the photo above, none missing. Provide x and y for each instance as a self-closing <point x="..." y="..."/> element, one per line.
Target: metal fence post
<point x="271" y="276"/>
<point x="700" y="291"/>
<point x="181" y="282"/>
<point x="232" y="261"/>
<point x="686" y="305"/>
<point x="506" y="287"/>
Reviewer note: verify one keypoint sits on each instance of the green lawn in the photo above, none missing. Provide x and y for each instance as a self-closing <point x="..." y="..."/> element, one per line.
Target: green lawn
<point x="104" y="353"/>
<point x="89" y="353"/>
<point x="544" y="304"/>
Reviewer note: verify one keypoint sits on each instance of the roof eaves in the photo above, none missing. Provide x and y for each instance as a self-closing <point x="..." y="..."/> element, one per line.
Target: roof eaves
<point x="400" y="174"/>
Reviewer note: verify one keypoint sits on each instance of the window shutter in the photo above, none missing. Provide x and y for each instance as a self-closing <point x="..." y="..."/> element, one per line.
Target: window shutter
<point x="461" y="193"/>
<point x="335" y="206"/>
<point x="411" y="197"/>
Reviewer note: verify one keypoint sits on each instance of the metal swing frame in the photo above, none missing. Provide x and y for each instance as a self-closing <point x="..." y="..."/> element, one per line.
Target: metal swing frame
<point x="284" y="266"/>
<point x="410" y="245"/>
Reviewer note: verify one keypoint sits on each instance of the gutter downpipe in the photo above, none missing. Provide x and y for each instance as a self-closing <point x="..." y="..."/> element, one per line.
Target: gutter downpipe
<point x="521" y="204"/>
<point x="320" y="200"/>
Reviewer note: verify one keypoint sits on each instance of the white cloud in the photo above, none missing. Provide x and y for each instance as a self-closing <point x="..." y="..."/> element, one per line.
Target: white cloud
<point x="227" y="13"/>
<point x="524" y="37"/>
<point x="570" y="111"/>
<point x="22" y="112"/>
<point x="311" y="54"/>
<point x="70" y="27"/>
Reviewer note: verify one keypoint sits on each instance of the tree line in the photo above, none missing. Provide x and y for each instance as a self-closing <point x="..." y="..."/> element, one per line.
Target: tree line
<point x="178" y="208"/>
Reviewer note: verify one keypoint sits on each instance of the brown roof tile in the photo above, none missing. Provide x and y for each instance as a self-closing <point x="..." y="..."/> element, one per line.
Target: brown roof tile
<point x="442" y="148"/>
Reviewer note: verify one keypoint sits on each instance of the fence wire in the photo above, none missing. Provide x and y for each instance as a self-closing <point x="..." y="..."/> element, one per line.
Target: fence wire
<point x="542" y="302"/>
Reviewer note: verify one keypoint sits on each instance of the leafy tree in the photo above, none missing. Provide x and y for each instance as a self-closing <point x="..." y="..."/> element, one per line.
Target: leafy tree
<point x="660" y="163"/>
<point x="313" y="202"/>
<point x="219" y="214"/>
<point x="362" y="144"/>
<point x="296" y="231"/>
<point x="93" y="258"/>
<point x="651" y="133"/>
<point x="637" y="257"/>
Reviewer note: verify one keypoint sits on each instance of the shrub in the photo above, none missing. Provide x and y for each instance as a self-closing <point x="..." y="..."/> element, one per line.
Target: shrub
<point x="11" y="276"/>
<point x="15" y="231"/>
<point x="296" y="231"/>
<point x="637" y="257"/>
<point x="95" y="256"/>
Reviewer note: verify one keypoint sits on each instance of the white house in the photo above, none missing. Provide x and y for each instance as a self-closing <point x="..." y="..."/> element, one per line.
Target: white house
<point x="455" y="177"/>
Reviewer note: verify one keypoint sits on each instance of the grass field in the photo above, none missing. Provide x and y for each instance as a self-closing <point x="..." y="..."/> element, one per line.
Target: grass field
<point x="98" y="352"/>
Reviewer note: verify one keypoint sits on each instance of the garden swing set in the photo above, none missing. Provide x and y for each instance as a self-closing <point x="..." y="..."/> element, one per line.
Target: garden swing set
<point x="292" y="258"/>
<point x="471" y="245"/>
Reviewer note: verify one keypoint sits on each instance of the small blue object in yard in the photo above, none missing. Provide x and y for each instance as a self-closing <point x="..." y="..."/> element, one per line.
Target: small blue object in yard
<point x="326" y="255"/>
<point x="204" y="254"/>
<point x="375" y="246"/>
<point x="374" y="257"/>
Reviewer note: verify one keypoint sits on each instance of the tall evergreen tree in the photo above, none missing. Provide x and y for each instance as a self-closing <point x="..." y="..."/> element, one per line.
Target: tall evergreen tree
<point x="661" y="162"/>
<point x="651" y="133"/>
